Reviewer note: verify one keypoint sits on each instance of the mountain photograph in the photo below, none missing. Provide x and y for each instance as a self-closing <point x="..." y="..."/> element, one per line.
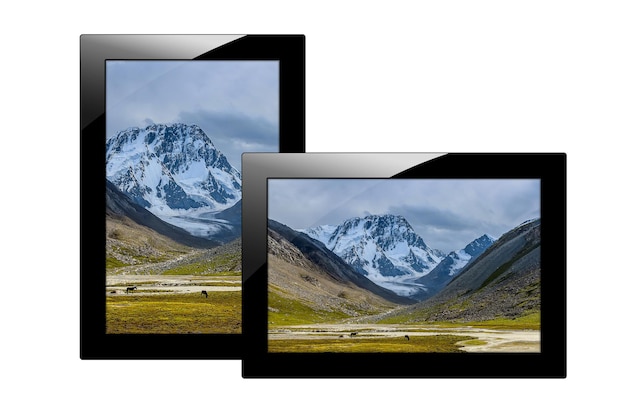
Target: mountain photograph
<point x="406" y="265"/>
<point x="175" y="134"/>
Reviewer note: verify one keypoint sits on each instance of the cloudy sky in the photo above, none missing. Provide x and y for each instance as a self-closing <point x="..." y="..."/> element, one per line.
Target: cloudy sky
<point x="234" y="102"/>
<point x="447" y="214"/>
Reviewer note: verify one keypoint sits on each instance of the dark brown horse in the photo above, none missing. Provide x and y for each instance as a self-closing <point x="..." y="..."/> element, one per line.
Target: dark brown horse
<point x="204" y="292"/>
<point x="128" y="289"/>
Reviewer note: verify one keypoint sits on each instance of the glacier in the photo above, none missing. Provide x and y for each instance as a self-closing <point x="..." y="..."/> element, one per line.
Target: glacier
<point x="176" y="172"/>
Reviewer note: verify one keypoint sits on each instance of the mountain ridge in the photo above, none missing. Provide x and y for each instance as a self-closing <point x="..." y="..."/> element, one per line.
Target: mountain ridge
<point x="503" y="282"/>
<point x="451" y="266"/>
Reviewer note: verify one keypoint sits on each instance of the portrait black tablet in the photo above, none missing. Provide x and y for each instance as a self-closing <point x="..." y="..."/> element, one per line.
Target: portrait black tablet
<point x="404" y="265"/>
<point x="164" y="120"/>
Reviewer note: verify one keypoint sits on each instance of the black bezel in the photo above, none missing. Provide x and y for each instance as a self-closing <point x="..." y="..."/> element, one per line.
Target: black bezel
<point x="549" y="363"/>
<point x="94" y="51"/>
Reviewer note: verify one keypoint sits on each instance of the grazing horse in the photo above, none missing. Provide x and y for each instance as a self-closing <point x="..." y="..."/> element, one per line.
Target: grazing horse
<point x="407" y="337"/>
<point x="128" y="289"/>
<point x="206" y="295"/>
<point x="352" y="334"/>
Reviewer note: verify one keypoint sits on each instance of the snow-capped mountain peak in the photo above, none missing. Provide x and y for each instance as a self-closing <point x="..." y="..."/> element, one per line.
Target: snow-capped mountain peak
<point x="171" y="167"/>
<point x="177" y="173"/>
<point x="384" y="248"/>
<point x="387" y="250"/>
<point x="460" y="258"/>
<point x="478" y="246"/>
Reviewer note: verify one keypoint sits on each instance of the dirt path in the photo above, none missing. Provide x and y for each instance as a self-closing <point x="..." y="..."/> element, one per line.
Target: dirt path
<point x="514" y="341"/>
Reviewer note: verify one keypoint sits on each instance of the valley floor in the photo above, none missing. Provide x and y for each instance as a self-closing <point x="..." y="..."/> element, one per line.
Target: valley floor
<point x="393" y="338"/>
<point x="166" y="304"/>
<point x="155" y="283"/>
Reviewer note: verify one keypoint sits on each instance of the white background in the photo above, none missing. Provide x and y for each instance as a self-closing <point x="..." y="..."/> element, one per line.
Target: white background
<point x="444" y="76"/>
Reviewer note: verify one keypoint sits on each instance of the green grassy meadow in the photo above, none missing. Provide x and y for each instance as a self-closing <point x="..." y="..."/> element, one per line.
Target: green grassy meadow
<point x="424" y="344"/>
<point x="174" y="313"/>
<point x="289" y="312"/>
<point x="529" y="321"/>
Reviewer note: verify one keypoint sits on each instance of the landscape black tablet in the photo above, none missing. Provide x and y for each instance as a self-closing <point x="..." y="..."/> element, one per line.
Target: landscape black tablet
<point x="404" y="265"/>
<point x="164" y="121"/>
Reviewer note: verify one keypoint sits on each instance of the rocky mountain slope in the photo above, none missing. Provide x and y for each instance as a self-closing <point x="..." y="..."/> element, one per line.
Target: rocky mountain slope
<point x="137" y="242"/>
<point x="505" y="281"/>
<point x="119" y="206"/>
<point x="303" y="269"/>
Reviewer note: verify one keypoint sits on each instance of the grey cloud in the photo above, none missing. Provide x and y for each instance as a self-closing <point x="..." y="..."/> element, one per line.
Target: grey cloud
<point x="234" y="102"/>
<point x="231" y="125"/>
<point x="448" y="214"/>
